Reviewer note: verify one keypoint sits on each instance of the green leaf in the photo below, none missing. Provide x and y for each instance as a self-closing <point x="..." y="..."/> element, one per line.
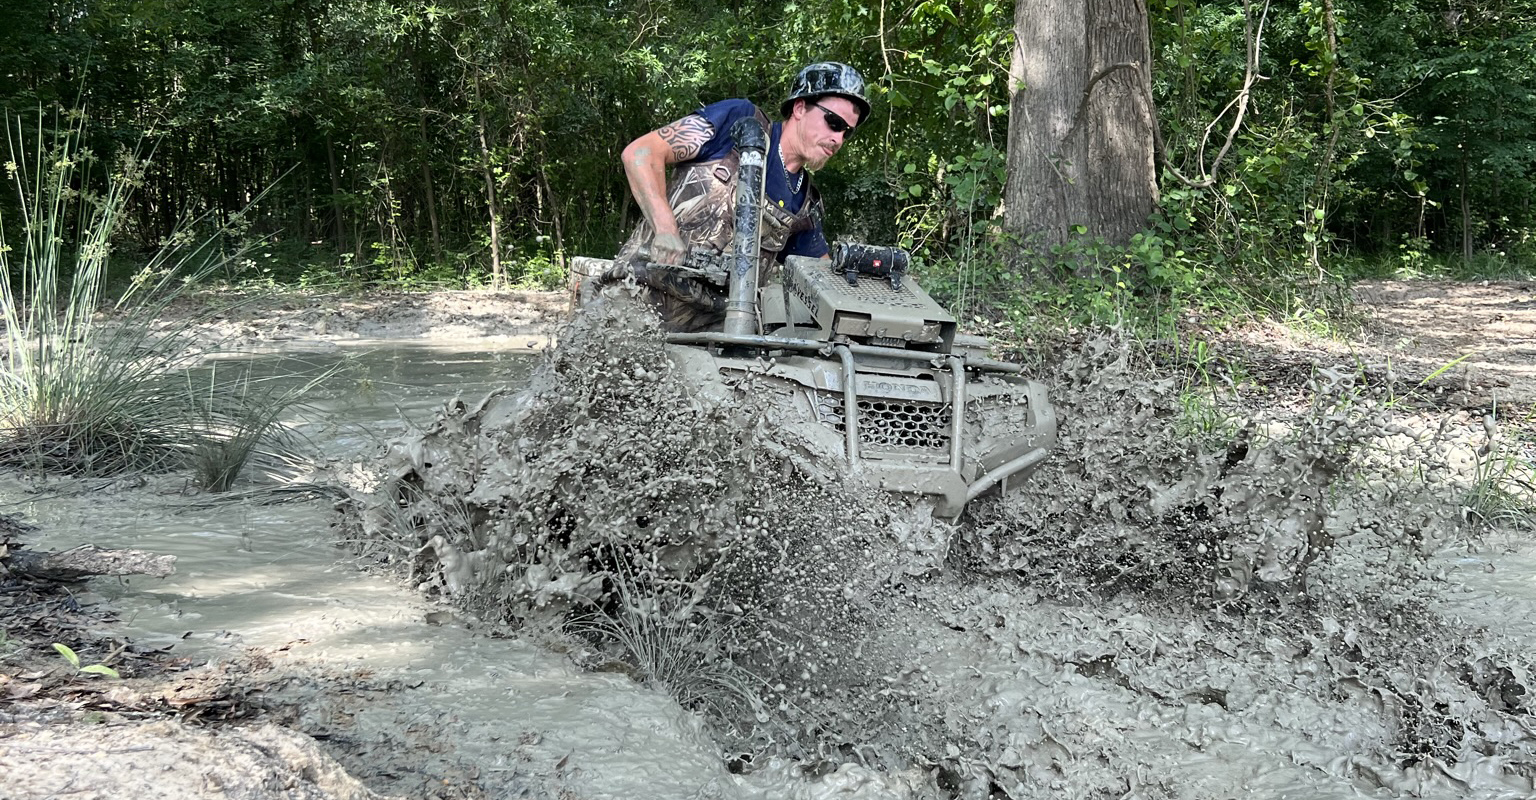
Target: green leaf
<point x="1317" y="213"/>
<point x="916" y="190"/>
<point x="68" y="654"/>
<point x="909" y="168"/>
<point x="102" y="669"/>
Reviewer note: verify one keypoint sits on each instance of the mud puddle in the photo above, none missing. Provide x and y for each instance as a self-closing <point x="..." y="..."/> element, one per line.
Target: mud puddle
<point x="509" y="716"/>
<point x="1068" y="645"/>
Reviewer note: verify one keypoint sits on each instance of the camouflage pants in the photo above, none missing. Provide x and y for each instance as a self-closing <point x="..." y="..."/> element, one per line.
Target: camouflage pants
<point x="685" y="305"/>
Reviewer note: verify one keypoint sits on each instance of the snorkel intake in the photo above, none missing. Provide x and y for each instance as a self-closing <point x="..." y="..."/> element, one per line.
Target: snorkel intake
<point x="741" y="295"/>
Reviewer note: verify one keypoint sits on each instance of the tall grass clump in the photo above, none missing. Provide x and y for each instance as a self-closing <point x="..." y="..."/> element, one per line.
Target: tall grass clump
<point x="82" y="393"/>
<point x="1502" y="489"/>
<point x="668" y="642"/>
<point x="238" y="422"/>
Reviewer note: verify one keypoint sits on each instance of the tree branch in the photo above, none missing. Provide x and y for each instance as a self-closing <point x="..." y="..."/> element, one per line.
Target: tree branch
<point x="85" y="561"/>
<point x="1082" y="104"/>
<point x="1251" y="76"/>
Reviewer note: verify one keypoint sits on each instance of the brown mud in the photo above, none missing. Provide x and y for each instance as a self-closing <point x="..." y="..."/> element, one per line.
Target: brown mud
<point x="253" y="321"/>
<point x="1190" y="600"/>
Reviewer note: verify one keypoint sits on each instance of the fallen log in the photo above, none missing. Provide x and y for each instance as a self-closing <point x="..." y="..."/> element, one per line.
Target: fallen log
<point x="74" y="564"/>
<point x="85" y="561"/>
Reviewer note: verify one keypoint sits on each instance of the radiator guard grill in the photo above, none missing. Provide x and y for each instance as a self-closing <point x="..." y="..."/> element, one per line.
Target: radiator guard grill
<point x="889" y="426"/>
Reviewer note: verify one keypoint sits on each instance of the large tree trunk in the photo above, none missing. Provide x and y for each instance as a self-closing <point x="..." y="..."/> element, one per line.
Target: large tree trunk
<point x="1082" y="126"/>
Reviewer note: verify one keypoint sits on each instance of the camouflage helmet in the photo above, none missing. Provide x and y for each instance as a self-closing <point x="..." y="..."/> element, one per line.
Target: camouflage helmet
<point x="827" y="77"/>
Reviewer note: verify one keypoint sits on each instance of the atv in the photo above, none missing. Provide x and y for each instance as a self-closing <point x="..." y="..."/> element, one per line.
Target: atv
<point x="865" y="365"/>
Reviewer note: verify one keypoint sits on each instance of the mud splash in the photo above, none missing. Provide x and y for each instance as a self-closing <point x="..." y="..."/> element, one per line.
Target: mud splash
<point x="1165" y="611"/>
<point x="670" y="526"/>
<point x="1269" y="587"/>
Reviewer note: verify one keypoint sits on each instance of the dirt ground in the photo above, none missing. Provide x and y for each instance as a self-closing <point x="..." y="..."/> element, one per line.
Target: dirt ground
<point x="172" y="728"/>
<point x="1470" y="345"/>
<point x="1432" y="324"/>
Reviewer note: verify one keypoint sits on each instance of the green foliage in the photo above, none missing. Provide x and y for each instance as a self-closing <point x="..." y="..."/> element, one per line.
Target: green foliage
<point x="90" y="669"/>
<point x="1398" y="142"/>
<point x="1374" y="137"/>
<point x="80" y="394"/>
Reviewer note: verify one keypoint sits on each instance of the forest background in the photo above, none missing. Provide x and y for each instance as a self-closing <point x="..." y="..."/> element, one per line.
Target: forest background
<point x="477" y="143"/>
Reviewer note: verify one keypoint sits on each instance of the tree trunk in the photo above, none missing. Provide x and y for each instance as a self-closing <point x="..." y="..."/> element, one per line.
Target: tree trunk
<point x="554" y="216"/>
<point x="1082" y="126"/>
<point x="498" y="276"/>
<point x="1466" y="214"/>
<point x="336" y="206"/>
<point x="431" y="191"/>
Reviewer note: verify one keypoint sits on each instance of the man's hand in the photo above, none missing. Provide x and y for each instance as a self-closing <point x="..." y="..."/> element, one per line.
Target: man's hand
<point x="668" y="248"/>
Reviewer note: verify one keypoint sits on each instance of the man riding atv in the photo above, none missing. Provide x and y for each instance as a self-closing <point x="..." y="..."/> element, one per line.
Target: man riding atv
<point x="859" y="362"/>
<point x="695" y="215"/>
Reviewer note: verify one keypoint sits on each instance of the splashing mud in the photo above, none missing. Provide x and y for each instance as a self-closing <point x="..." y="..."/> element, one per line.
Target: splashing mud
<point x="1247" y="610"/>
<point x="666" y="519"/>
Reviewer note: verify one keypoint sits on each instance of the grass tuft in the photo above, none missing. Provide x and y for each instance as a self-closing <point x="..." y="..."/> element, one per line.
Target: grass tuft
<point x="239" y="420"/>
<point x="1503" y="486"/>
<point x="80" y="393"/>
<point x="672" y="645"/>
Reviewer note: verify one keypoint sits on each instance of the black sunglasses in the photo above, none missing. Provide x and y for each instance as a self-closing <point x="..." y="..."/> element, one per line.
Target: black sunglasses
<point x="835" y="123"/>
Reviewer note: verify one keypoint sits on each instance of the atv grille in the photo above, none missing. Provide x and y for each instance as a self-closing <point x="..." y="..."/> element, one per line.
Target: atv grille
<point x="890" y="426"/>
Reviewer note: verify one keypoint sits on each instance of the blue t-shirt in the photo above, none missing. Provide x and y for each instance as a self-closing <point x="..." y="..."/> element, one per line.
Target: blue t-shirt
<point x="776" y="183"/>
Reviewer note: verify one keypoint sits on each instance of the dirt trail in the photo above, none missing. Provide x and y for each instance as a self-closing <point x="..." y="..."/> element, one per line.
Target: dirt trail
<point x="1433" y="323"/>
<point x="1051" y="687"/>
<point x="1477" y="340"/>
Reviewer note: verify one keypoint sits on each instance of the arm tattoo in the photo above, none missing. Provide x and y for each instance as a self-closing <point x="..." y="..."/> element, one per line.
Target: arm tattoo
<point x="687" y="135"/>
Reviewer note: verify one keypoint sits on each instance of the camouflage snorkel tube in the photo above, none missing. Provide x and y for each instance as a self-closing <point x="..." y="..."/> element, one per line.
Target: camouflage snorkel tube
<point x="741" y="299"/>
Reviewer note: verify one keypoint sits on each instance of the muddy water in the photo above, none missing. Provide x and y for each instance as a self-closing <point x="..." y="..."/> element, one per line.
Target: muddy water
<point x="271" y="576"/>
<point x="1006" y="692"/>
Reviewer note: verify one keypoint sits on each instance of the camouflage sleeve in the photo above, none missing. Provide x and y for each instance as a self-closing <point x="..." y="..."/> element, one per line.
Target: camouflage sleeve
<point x="688" y="290"/>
